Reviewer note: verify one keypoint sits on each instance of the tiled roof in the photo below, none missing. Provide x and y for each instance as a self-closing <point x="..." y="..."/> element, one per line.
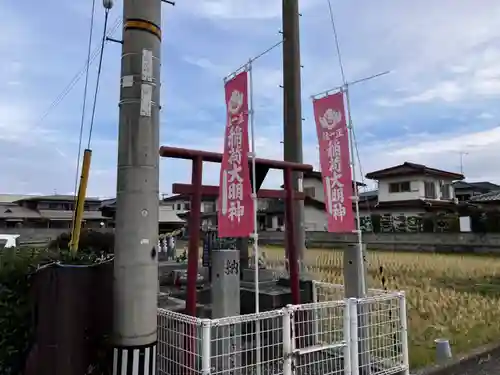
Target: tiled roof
<point x="17" y="212"/>
<point x="408" y="168"/>
<point x="68" y="215"/>
<point x="481" y="185"/>
<point x="169" y="216"/>
<point x="56" y="197"/>
<point x="491" y="196"/>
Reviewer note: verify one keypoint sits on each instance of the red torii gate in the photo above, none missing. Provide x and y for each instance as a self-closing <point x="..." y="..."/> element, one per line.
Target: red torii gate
<point x="196" y="190"/>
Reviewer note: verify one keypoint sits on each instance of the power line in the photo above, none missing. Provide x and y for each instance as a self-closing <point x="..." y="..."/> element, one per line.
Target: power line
<point x="99" y="69"/>
<point x="76" y="78"/>
<point x="337" y="44"/>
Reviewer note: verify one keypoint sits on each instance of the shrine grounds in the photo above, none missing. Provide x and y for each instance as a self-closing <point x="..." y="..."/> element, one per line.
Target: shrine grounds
<point x="455" y="297"/>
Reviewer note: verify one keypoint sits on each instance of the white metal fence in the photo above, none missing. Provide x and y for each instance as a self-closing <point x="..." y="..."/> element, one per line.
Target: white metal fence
<point x="326" y="337"/>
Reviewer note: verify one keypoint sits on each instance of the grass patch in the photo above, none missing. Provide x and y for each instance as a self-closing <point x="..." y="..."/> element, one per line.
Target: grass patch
<point x="451" y="296"/>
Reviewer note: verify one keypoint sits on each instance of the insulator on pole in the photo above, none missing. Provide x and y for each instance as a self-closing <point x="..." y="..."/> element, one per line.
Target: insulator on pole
<point x="108" y="4"/>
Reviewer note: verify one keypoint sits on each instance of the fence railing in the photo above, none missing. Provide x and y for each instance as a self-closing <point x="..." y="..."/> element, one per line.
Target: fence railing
<point x="335" y="337"/>
<point x="382" y="332"/>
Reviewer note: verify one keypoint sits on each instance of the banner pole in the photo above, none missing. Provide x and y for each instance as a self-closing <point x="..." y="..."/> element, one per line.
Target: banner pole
<point x="351" y="83"/>
<point x="355" y="197"/>
<point x="255" y="209"/>
<point x="250" y="61"/>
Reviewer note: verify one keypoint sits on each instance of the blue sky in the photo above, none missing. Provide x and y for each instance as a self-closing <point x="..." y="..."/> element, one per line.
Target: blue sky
<point x="440" y="98"/>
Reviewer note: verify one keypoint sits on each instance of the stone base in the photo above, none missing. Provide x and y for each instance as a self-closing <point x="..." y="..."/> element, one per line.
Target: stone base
<point x="264" y="275"/>
<point x="170" y="303"/>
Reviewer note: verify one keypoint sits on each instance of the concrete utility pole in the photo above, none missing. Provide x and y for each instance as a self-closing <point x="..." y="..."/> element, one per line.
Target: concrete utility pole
<point x="136" y="235"/>
<point x="292" y="109"/>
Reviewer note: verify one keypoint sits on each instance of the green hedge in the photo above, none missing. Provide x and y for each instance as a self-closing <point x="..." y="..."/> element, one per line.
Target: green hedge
<point x="91" y="242"/>
<point x="16" y="328"/>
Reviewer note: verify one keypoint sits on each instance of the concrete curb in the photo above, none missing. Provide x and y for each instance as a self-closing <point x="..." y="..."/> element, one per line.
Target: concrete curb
<point x="459" y="365"/>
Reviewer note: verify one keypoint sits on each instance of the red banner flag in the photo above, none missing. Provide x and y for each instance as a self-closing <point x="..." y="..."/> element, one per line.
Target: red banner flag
<point x="336" y="172"/>
<point x="235" y="216"/>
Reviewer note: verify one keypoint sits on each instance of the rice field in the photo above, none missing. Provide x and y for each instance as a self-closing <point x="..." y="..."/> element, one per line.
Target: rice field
<point x="448" y="296"/>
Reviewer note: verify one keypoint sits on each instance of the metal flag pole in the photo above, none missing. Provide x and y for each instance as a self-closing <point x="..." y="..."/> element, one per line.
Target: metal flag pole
<point x="245" y="66"/>
<point x="350" y="126"/>
<point x="359" y="253"/>
<point x="344" y="86"/>
<point x="255" y="204"/>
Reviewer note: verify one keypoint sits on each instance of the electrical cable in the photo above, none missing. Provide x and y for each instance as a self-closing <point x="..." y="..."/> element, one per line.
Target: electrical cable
<point x="337" y="44"/>
<point x="99" y="69"/>
<point x="76" y="78"/>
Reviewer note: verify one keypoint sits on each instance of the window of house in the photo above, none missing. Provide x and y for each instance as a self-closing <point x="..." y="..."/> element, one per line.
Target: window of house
<point x="187" y="206"/>
<point x="430" y="190"/>
<point x="400" y="187"/>
<point x="54" y="206"/>
<point x="446" y="191"/>
<point x="178" y="206"/>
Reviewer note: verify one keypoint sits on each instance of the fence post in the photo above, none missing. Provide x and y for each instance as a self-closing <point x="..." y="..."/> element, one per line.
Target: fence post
<point x="206" y="342"/>
<point x="315" y="291"/>
<point x="287" y="341"/>
<point x="353" y="315"/>
<point x="404" y="332"/>
<point x="347" y="338"/>
<point x="315" y="286"/>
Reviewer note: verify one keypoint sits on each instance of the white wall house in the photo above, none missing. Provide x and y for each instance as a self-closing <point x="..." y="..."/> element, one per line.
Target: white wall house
<point x="407" y="192"/>
<point x="410" y="181"/>
<point x="415" y="187"/>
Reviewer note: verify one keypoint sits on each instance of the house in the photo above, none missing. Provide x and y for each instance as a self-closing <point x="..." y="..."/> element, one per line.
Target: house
<point x="50" y="211"/>
<point x="168" y="219"/>
<point x="464" y="190"/>
<point x="407" y="192"/>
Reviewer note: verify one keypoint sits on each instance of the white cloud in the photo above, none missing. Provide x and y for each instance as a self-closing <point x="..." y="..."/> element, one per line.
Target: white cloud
<point x="478" y="75"/>
<point x="485" y="116"/>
